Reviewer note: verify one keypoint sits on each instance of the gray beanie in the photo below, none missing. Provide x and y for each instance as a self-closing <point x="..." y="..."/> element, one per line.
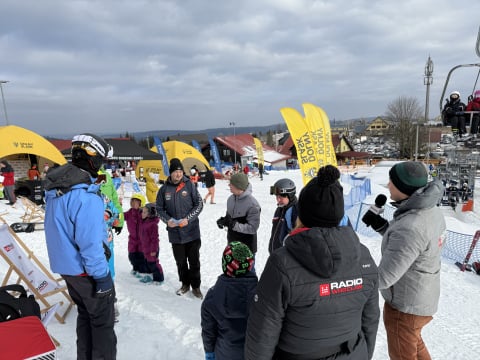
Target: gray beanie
<point x="240" y="181"/>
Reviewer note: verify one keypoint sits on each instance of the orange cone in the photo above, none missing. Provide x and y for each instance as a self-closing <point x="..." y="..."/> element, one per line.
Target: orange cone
<point x="468" y="206"/>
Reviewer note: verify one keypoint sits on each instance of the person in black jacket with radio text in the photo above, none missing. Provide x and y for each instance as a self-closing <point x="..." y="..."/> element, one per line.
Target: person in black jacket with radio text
<point x="317" y="297"/>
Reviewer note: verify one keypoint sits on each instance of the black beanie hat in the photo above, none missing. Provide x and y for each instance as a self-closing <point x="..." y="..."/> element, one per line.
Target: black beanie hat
<point x="175" y="164"/>
<point x="408" y="176"/>
<point x="320" y="203"/>
<point x="237" y="259"/>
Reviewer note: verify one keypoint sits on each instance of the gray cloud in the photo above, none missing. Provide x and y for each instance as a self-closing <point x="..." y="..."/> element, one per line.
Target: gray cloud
<point x="116" y="66"/>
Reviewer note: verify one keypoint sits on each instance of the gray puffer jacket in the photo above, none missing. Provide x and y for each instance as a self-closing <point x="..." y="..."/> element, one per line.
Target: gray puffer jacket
<point x="409" y="271"/>
<point x="245" y="210"/>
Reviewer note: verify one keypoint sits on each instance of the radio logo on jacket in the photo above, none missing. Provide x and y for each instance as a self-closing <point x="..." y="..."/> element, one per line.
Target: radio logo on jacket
<point x="340" y="287"/>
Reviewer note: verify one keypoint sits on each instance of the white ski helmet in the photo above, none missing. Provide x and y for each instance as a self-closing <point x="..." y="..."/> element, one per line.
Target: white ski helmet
<point x="455" y="95"/>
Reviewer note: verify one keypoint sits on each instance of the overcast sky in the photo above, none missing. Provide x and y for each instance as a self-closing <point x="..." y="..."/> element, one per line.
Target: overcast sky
<point x="117" y="66"/>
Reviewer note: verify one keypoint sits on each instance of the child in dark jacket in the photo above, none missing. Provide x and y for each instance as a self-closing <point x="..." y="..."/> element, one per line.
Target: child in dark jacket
<point x="225" y="309"/>
<point x="150" y="244"/>
<point x="133" y="218"/>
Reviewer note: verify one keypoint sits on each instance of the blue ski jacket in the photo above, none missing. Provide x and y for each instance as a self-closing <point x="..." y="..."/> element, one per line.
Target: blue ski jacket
<point x="75" y="230"/>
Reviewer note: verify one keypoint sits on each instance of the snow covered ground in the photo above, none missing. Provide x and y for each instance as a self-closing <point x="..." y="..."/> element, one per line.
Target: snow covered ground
<point x="155" y="323"/>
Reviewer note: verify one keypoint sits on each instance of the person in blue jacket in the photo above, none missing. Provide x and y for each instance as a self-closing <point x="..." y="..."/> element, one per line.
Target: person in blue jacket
<point x="225" y="309"/>
<point x="76" y="234"/>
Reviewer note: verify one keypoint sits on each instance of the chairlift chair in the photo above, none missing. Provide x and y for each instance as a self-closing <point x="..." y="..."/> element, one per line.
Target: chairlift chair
<point x="477" y="50"/>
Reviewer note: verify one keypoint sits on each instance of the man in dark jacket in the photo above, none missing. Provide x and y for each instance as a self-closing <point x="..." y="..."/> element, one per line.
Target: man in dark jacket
<point x="318" y="295"/>
<point x="226" y="306"/>
<point x="453" y="114"/>
<point x="243" y="213"/>
<point x="178" y="205"/>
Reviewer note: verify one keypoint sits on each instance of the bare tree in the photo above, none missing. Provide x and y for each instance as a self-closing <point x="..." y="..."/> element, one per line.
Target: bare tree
<point x="405" y="112"/>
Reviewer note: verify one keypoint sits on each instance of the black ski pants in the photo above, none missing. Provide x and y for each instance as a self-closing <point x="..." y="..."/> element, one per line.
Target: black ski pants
<point x="96" y="337"/>
<point x="187" y="257"/>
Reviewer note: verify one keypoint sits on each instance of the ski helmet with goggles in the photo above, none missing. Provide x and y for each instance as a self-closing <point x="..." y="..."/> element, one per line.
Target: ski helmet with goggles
<point x="455" y="95"/>
<point x="89" y="152"/>
<point x="284" y="187"/>
<point x="93" y="145"/>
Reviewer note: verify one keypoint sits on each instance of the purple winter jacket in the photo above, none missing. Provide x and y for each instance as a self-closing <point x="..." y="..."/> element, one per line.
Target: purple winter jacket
<point x="150" y="242"/>
<point x="133" y="219"/>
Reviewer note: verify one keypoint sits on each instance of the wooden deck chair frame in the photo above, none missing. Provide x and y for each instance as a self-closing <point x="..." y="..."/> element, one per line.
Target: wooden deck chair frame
<point x="33" y="212"/>
<point x="13" y="269"/>
<point x="46" y="315"/>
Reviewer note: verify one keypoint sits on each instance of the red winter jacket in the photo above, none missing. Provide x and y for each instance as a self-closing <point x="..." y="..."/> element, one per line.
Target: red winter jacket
<point x="9" y="178"/>
<point x="474" y="105"/>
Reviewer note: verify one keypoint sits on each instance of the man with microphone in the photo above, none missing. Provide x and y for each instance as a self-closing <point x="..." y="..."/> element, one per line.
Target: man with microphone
<point x="409" y="271"/>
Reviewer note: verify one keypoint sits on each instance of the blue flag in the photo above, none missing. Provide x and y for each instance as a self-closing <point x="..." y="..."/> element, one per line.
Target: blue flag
<point x="161" y="151"/>
<point x="196" y="145"/>
<point x="216" y="156"/>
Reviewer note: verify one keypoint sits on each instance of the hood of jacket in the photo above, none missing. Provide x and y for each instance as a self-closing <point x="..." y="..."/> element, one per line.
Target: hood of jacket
<point x="324" y="251"/>
<point x="424" y="198"/>
<point x="237" y="294"/>
<point x="66" y="176"/>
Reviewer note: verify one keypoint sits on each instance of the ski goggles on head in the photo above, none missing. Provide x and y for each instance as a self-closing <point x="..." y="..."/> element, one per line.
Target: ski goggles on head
<point x="92" y="146"/>
<point x="88" y="149"/>
<point x="279" y="192"/>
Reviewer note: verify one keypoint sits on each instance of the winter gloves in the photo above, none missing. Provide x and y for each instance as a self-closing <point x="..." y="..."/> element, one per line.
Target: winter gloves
<point x="372" y="216"/>
<point x="104" y="287"/>
<point x="226" y="221"/>
<point x="117" y="229"/>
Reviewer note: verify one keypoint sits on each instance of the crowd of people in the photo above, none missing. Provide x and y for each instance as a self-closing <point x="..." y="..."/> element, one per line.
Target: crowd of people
<point x="318" y="295"/>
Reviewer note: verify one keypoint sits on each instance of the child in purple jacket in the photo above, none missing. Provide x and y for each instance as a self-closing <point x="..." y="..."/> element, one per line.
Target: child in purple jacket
<point x="133" y="218"/>
<point x="150" y="244"/>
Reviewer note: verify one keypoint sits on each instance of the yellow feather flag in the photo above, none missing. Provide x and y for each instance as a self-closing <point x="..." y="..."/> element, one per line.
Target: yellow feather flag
<point x="319" y="126"/>
<point x="314" y="123"/>
<point x="306" y="153"/>
<point x="329" y="149"/>
<point x="259" y="148"/>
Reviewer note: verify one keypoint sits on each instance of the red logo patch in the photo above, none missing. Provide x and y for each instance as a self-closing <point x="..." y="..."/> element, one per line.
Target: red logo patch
<point x="324" y="289"/>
